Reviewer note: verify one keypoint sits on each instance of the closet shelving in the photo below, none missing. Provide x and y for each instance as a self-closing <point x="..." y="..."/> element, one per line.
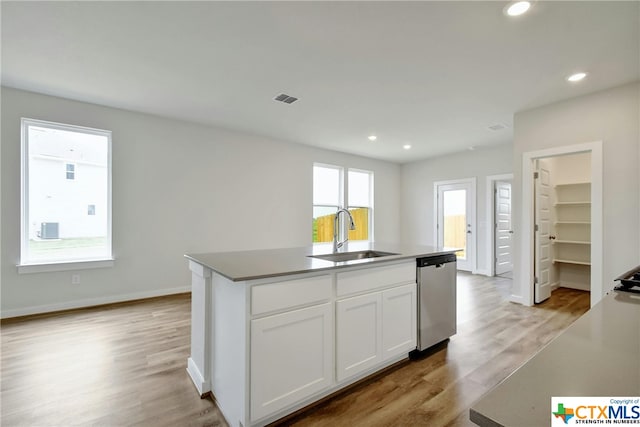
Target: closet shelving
<point x="573" y="223"/>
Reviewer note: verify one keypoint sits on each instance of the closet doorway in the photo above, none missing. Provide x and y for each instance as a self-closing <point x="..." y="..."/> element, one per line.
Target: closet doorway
<point x="562" y="203"/>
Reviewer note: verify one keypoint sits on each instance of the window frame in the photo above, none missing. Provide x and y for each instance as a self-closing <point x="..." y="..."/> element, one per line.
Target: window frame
<point x="340" y="195"/>
<point x="371" y="200"/>
<point x="71" y="171"/>
<point x="344" y="199"/>
<point x="35" y="266"/>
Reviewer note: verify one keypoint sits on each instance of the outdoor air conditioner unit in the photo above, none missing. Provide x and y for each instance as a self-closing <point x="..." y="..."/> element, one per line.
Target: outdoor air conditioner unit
<point x="49" y="230"/>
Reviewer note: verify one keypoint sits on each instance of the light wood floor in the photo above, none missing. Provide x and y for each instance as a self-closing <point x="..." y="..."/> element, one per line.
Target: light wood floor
<point x="125" y="365"/>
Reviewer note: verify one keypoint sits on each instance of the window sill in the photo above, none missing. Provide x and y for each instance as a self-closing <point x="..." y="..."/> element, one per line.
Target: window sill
<point x="65" y="266"/>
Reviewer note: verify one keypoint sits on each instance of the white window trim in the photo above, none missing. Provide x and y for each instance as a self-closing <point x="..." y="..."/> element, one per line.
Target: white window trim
<point x="344" y="198"/>
<point x="341" y="195"/>
<point x="63" y="265"/>
<point x="371" y="201"/>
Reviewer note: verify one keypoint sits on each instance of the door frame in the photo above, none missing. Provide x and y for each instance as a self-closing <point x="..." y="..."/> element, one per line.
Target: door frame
<point x="472" y="210"/>
<point x="526" y="242"/>
<point x="490" y="248"/>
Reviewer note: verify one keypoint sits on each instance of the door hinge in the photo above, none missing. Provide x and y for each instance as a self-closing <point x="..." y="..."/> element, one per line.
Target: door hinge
<point x="535" y="228"/>
<point x="535" y="280"/>
<point x="536" y="175"/>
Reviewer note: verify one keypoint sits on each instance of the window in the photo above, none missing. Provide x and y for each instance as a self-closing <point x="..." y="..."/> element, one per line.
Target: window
<point x="71" y="171"/>
<point x="360" y="203"/>
<point x="330" y="190"/>
<point x="327" y="199"/>
<point x="65" y="217"/>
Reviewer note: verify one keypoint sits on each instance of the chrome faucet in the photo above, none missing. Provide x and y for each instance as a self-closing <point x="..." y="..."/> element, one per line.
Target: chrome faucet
<point x="352" y="226"/>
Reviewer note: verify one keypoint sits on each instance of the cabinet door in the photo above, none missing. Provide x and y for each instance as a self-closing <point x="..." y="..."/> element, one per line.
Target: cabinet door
<point x="399" y="325"/>
<point x="359" y="334"/>
<point x="291" y="358"/>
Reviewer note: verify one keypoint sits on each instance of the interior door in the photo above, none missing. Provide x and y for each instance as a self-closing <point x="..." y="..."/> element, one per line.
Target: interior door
<point x="503" y="229"/>
<point x="456" y="220"/>
<point x="542" y="261"/>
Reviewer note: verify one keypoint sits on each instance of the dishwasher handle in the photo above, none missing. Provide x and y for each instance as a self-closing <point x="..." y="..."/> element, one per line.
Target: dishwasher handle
<point x="436" y="261"/>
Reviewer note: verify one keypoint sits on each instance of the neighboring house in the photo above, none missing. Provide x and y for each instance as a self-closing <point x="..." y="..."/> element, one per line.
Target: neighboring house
<point x="78" y="213"/>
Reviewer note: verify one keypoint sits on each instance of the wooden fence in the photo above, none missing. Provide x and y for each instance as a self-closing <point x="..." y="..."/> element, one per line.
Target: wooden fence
<point x="455" y="229"/>
<point x="323" y="226"/>
<point x="455" y="233"/>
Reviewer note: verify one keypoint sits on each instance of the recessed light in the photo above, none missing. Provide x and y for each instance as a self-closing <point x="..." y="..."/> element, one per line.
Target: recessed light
<point x="372" y="137"/>
<point x="407" y="146"/>
<point x="576" y="77"/>
<point x="517" y="8"/>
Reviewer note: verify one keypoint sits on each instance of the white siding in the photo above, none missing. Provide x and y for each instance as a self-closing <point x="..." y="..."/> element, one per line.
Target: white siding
<point x="54" y="198"/>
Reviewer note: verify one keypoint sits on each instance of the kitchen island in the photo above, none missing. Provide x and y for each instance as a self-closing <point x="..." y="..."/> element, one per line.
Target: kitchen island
<point x="273" y="331"/>
<point x="598" y="355"/>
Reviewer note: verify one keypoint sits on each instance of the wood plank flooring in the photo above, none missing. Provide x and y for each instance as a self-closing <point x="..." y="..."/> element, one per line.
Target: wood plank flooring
<point x="114" y="366"/>
<point x="125" y="364"/>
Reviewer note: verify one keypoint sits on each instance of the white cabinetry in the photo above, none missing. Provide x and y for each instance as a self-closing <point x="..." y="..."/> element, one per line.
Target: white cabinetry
<point x="268" y="347"/>
<point x="572" y="240"/>
<point x="359" y="334"/>
<point x="375" y="327"/>
<point x="399" y="323"/>
<point x="292" y="350"/>
<point x="291" y="358"/>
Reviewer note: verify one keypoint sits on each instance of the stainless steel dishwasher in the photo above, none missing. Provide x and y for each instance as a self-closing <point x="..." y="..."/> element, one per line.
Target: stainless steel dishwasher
<point x="436" y="278"/>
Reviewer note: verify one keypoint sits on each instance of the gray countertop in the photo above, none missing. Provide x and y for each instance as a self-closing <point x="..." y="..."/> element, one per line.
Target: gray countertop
<point x="260" y="264"/>
<point x="598" y="355"/>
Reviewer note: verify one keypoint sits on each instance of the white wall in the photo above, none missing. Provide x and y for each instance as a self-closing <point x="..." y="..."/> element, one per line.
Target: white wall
<point x="571" y="169"/>
<point x="417" y="192"/>
<point x="177" y="188"/>
<point x="613" y="117"/>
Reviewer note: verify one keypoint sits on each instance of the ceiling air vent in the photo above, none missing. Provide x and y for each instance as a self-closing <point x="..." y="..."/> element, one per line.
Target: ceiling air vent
<point x="283" y="97"/>
<point x="497" y="127"/>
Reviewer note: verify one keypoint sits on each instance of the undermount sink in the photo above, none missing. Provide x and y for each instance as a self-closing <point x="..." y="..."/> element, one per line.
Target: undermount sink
<point x="350" y="256"/>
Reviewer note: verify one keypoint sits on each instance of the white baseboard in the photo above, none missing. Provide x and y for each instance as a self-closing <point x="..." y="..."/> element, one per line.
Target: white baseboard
<point x="578" y="286"/>
<point x="90" y="302"/>
<point x="517" y="299"/>
<point x="483" y="272"/>
<point x="202" y="386"/>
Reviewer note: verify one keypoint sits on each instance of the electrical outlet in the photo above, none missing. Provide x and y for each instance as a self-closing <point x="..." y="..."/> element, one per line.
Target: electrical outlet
<point x="75" y="279"/>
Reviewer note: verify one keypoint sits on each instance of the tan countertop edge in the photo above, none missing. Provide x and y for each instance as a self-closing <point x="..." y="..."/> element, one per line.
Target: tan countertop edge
<point x="598" y="355"/>
<point x="260" y="264"/>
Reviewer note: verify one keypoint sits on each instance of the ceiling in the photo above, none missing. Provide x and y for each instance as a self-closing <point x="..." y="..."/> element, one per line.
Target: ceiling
<point x="435" y="75"/>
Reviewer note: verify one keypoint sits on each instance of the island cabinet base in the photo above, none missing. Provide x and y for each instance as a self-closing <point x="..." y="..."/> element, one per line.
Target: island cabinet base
<point x="290" y="358"/>
<point x="266" y="348"/>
